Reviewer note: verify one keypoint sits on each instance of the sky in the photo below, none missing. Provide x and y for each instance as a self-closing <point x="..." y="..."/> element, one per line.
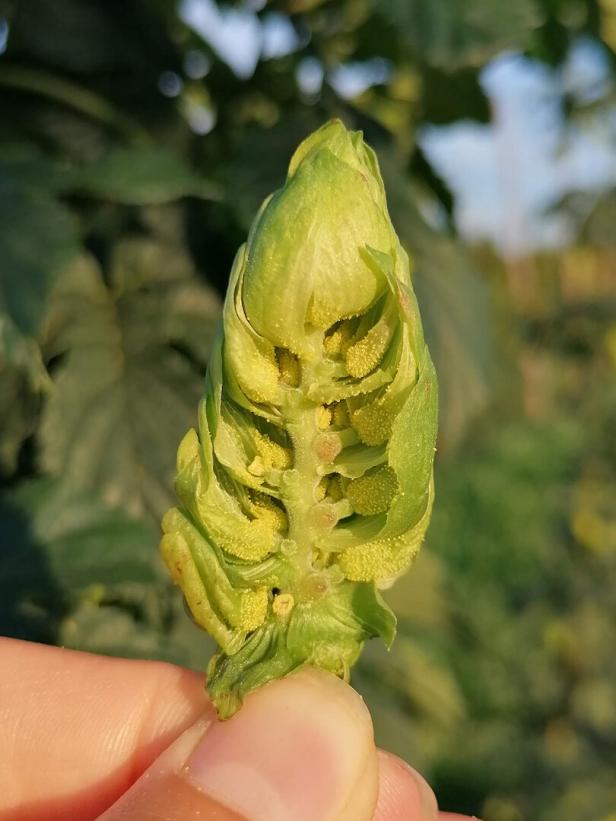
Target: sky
<point x="506" y="175"/>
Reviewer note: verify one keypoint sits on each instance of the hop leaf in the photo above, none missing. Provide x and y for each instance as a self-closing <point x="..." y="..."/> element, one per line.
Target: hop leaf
<point x="309" y="482"/>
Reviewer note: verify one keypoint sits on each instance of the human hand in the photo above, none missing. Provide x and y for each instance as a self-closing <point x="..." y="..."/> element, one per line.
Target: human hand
<point x="85" y="736"/>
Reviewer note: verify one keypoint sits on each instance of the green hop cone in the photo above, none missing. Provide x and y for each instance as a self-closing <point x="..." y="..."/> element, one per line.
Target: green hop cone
<point x="308" y="485"/>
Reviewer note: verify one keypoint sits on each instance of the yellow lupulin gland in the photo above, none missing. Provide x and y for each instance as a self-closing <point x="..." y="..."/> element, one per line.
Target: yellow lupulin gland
<point x="272" y="454"/>
<point x="381" y="559"/>
<point x="324" y="417"/>
<point x="265" y="510"/>
<point x="373" y="423"/>
<point x="365" y="355"/>
<point x="251" y="542"/>
<point x="264" y="389"/>
<point x="337" y="342"/>
<point x="253" y="609"/>
<point x="374" y="492"/>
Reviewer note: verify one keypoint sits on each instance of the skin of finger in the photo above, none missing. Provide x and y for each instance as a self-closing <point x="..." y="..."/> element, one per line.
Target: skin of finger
<point x="104" y="720"/>
<point x="403" y="793"/>
<point x="78" y="729"/>
<point x="270" y="744"/>
<point x="162" y="794"/>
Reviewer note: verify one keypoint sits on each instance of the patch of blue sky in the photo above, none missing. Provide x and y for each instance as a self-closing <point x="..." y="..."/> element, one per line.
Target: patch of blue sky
<point x="352" y="79"/>
<point x="233" y="33"/>
<point x="506" y="176"/>
<point x="278" y="35"/>
<point x="586" y="73"/>
<point x="309" y="75"/>
<point x="238" y="35"/>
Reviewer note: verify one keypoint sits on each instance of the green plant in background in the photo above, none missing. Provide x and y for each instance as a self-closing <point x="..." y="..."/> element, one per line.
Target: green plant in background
<point x="309" y="483"/>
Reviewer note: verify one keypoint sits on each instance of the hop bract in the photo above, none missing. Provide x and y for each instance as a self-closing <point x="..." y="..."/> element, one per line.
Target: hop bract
<point x="308" y="484"/>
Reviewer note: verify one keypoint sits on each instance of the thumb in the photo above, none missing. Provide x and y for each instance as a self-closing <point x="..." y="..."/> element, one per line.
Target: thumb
<point x="300" y="748"/>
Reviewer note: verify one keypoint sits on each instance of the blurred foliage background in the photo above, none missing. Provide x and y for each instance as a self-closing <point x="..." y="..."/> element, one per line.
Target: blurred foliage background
<point x="137" y="141"/>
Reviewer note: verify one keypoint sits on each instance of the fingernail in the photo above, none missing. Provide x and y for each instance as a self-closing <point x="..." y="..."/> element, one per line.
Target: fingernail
<point x="299" y="748"/>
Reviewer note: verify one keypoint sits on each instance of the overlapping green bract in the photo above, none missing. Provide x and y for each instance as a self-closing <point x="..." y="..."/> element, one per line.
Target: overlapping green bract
<point x="309" y="482"/>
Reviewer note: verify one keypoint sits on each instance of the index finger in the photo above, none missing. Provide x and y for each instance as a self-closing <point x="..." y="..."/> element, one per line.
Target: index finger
<point x="76" y="730"/>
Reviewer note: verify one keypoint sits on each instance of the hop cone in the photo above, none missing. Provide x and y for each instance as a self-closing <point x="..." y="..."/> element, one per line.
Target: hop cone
<point x="308" y="485"/>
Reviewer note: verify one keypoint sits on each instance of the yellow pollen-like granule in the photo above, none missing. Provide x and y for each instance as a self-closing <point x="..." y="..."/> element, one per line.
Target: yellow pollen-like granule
<point x="273" y="455"/>
<point x="374" y="492"/>
<point x="365" y="355"/>
<point x="252" y="542"/>
<point x="263" y="508"/>
<point x="381" y="559"/>
<point x="253" y="609"/>
<point x="373" y="423"/>
<point x="262" y="389"/>
<point x="337" y="341"/>
<point x="324" y="417"/>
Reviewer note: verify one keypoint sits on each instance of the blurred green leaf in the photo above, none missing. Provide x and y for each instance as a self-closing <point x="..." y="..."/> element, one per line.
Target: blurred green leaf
<point x="23" y="378"/>
<point x="130" y="377"/>
<point x="57" y="542"/>
<point x="59" y="90"/>
<point x="417" y="678"/>
<point x="37" y="241"/>
<point x="396" y="730"/>
<point x="494" y="499"/>
<point x="140" y="176"/>
<point x="108" y="629"/>
<point x="80" y="574"/>
<point x="18" y="407"/>
<point x="67" y="33"/>
<point x="83" y="541"/>
<point x="89" y="37"/>
<point x="464" y="32"/>
<point x="23" y="354"/>
<point x="259" y="164"/>
<point x="148" y="621"/>
<point x="420" y="597"/>
<point x="456" y="309"/>
<point x="26" y="163"/>
<point x="597" y="229"/>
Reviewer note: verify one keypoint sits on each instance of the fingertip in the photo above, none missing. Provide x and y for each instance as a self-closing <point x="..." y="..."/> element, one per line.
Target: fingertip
<point x="300" y="748"/>
<point x="404" y="795"/>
